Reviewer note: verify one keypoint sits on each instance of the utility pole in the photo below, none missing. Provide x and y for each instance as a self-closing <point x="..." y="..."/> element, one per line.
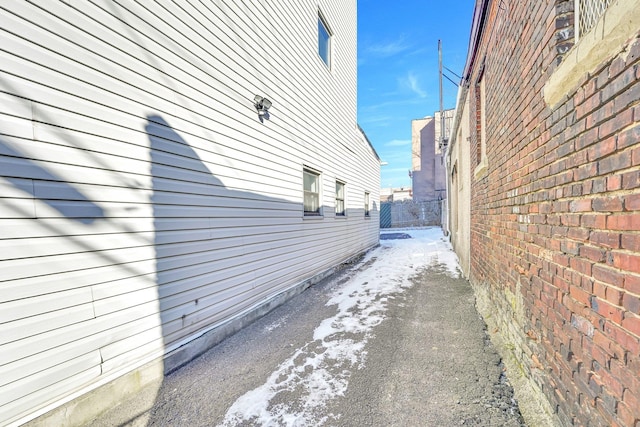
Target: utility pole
<point x="442" y="138"/>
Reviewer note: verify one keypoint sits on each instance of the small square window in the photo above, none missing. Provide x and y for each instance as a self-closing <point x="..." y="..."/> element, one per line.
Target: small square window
<point x="311" y="184"/>
<point x="340" y="210"/>
<point x="366" y="205"/>
<point x="324" y="41"/>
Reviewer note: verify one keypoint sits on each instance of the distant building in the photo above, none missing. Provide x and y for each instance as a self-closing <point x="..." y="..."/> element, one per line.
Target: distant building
<point x="428" y="169"/>
<point x="395" y="194"/>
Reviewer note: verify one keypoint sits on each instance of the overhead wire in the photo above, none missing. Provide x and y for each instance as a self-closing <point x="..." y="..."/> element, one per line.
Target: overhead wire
<point x="452" y="72"/>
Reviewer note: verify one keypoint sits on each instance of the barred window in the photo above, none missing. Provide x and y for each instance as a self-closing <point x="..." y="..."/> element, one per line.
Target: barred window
<point x="587" y="13"/>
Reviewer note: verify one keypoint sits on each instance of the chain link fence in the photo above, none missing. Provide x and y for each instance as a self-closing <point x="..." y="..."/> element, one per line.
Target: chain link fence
<point x="409" y="213"/>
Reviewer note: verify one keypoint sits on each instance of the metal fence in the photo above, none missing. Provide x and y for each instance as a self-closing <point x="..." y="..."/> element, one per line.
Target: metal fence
<point x="409" y="213"/>
<point x="587" y="13"/>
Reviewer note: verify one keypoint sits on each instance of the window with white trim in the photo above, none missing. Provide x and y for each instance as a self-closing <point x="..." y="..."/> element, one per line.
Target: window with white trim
<point x="340" y="209"/>
<point x="311" y="186"/>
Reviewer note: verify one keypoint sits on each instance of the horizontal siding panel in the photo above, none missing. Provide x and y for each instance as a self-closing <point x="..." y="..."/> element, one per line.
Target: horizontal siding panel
<point x="205" y="102"/>
<point x="63" y="228"/>
<point x="16" y="350"/>
<point x="193" y="264"/>
<point x="63" y="73"/>
<point x="132" y="353"/>
<point x="84" y="211"/>
<point x="41" y="170"/>
<point x="73" y="103"/>
<point x="211" y="315"/>
<point x="113" y="297"/>
<point x="63" y="96"/>
<point x="32" y="384"/>
<point x="47" y="395"/>
<point x="25" y="327"/>
<point x="215" y="300"/>
<point x="174" y="50"/>
<point x="15" y="167"/>
<point x="232" y="199"/>
<point x="15" y="106"/>
<point x="15" y="188"/>
<point x="26" y="287"/>
<point x="63" y="48"/>
<point x="15" y="126"/>
<point x="96" y="333"/>
<point x="17" y="208"/>
<point x="52" y="190"/>
<point x="141" y="303"/>
<point x="19" y="309"/>
<point x="123" y="324"/>
<point x="58" y="245"/>
<point x="169" y="264"/>
<point x="191" y="299"/>
<point x="183" y="302"/>
<point x="38" y="362"/>
<point x="20" y="268"/>
<point x="78" y="209"/>
<point x="135" y="341"/>
<point x="88" y="212"/>
<point x="167" y="165"/>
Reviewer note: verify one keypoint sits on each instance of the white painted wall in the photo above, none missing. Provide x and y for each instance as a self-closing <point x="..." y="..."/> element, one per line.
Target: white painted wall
<point x="458" y="158"/>
<point x="142" y="202"/>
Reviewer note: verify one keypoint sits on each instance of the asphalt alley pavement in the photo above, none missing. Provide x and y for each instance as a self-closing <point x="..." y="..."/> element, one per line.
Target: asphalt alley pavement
<point x="393" y="340"/>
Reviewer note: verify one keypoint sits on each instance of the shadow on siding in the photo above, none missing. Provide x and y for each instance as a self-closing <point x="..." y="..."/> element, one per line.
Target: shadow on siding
<point x="205" y="273"/>
<point x="201" y="271"/>
<point x="36" y="181"/>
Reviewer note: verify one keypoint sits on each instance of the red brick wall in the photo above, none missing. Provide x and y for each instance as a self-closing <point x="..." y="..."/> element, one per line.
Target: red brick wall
<point x="555" y="221"/>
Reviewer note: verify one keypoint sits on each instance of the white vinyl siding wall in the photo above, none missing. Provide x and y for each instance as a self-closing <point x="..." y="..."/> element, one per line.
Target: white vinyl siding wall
<point x="142" y="202"/>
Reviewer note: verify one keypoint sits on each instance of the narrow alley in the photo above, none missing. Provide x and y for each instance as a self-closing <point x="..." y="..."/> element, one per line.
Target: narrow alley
<point x="393" y="340"/>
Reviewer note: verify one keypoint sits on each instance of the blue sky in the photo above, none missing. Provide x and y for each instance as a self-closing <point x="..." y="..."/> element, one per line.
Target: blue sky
<point x="398" y="71"/>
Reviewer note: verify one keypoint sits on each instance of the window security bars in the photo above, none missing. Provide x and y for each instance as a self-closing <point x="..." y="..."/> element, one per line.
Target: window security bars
<point x="587" y="13"/>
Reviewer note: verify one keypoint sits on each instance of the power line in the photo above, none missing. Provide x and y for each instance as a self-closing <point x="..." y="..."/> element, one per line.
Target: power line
<point x="452" y="72"/>
<point x="447" y="77"/>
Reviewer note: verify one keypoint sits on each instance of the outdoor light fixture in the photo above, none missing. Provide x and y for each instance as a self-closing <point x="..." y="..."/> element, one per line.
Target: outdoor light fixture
<point x="262" y="104"/>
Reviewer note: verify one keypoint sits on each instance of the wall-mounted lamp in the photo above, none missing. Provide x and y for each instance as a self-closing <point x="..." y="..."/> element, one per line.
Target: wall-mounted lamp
<point x="262" y="104"/>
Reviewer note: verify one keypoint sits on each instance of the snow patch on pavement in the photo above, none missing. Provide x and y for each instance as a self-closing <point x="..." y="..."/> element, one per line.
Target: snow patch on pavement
<point x="301" y="386"/>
